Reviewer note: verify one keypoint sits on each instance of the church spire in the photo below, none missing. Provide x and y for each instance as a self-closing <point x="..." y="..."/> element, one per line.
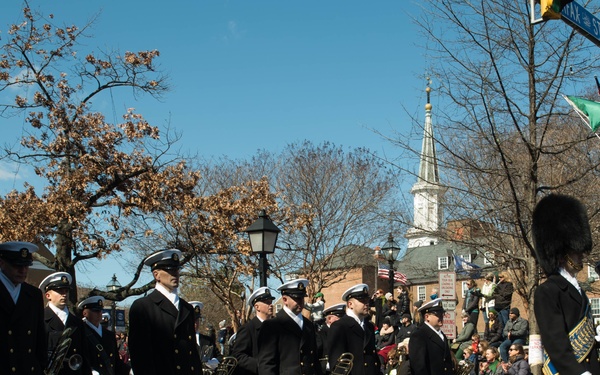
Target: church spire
<point x="427" y="190"/>
<point x="428" y="168"/>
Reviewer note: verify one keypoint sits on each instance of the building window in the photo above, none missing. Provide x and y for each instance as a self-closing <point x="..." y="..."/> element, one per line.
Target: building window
<point x="466" y="257"/>
<point x="278" y="307"/>
<point x="488" y="256"/>
<point x="464" y="288"/>
<point x="442" y="263"/>
<point x="592" y="274"/>
<point x="421" y="293"/>
<point x="595" y="303"/>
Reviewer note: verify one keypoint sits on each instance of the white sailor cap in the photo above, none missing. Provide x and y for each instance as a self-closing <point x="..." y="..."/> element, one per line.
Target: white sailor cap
<point x="338" y="309"/>
<point x="164" y="259"/>
<point x="106" y="317"/>
<point x="18" y="253"/>
<point x="198" y="306"/>
<point x="260" y="294"/>
<point x="92" y="303"/>
<point x="295" y="288"/>
<point x="360" y="292"/>
<point x="57" y="280"/>
<point x="433" y="307"/>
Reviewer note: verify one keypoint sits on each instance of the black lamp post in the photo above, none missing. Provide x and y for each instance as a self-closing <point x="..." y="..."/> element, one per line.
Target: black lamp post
<point x="112" y="286"/>
<point x="263" y="237"/>
<point x="391" y="251"/>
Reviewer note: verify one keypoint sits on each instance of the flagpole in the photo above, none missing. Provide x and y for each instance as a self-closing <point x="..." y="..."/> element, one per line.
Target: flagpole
<point x="581" y="115"/>
<point x="377" y="276"/>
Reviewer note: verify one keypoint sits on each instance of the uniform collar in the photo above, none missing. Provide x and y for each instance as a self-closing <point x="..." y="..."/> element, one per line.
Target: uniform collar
<point x="297" y="318"/>
<point x="572" y="280"/>
<point x="171" y="296"/>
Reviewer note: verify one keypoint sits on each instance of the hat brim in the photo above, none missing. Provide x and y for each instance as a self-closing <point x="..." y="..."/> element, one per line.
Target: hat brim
<point x="57" y="286"/>
<point x="293" y="294"/>
<point x="263" y="299"/>
<point x="166" y="265"/>
<point x="19" y="262"/>
<point x="16" y="260"/>
<point x="434" y="310"/>
<point x="359" y="296"/>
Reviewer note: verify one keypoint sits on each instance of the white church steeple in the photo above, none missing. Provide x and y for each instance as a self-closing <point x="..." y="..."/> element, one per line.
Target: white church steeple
<point x="427" y="191"/>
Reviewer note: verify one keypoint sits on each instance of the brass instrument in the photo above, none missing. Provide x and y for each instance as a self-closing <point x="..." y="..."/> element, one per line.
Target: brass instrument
<point x="226" y="366"/>
<point x="343" y="365"/>
<point x="464" y="368"/>
<point x="55" y="363"/>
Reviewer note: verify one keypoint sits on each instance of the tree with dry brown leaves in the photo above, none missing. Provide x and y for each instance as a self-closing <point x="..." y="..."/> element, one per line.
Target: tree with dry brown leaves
<point x="102" y="180"/>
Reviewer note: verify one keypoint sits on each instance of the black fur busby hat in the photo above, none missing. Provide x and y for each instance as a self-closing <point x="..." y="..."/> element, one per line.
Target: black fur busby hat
<point x="559" y="226"/>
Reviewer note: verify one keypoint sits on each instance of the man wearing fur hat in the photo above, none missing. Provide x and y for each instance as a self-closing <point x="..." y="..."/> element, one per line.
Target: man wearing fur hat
<point x="562" y="236"/>
<point x="162" y="338"/>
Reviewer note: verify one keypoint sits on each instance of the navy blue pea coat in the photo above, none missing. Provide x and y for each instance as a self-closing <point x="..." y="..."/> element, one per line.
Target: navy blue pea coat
<point x="162" y="340"/>
<point x="346" y="335"/>
<point x="285" y="349"/>
<point x="23" y="345"/>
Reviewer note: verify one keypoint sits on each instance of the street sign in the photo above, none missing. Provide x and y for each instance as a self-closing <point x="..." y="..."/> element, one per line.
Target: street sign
<point x="449" y="327"/>
<point x="447" y="281"/>
<point x="449" y="305"/>
<point x="582" y="20"/>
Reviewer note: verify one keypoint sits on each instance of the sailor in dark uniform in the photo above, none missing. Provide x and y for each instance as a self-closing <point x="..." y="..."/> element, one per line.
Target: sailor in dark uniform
<point x="58" y="318"/>
<point x="287" y="344"/>
<point x="245" y="349"/>
<point x="23" y="345"/>
<point x="562" y="237"/>
<point x="355" y="334"/>
<point x="428" y="349"/>
<point x="210" y="356"/>
<point x="101" y="343"/>
<point x="331" y="314"/>
<point x="162" y="338"/>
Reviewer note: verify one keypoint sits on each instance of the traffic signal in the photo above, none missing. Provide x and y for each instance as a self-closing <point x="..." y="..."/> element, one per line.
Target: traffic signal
<point x="551" y="8"/>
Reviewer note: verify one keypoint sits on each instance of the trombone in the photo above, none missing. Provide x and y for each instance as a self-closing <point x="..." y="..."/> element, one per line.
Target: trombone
<point x="226" y="366"/>
<point x="58" y="356"/>
<point x="344" y="364"/>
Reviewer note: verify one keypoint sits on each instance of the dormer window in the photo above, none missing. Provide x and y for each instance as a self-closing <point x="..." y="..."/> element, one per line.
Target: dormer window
<point x="442" y="263"/>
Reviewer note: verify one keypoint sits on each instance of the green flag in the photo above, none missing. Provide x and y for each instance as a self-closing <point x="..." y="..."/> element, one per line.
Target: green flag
<point x="587" y="108"/>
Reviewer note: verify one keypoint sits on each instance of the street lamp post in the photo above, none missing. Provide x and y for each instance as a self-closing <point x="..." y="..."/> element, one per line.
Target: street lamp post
<point x="391" y="251"/>
<point x="112" y="286"/>
<point x="263" y="237"/>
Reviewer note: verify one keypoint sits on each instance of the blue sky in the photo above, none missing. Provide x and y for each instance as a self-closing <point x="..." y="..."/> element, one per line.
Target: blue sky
<point x="249" y="75"/>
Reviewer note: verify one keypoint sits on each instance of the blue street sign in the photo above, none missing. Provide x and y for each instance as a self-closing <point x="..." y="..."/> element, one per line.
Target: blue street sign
<point x="583" y="21"/>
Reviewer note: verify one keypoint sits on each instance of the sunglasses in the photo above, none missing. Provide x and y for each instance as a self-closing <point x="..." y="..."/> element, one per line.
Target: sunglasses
<point x="439" y="314"/>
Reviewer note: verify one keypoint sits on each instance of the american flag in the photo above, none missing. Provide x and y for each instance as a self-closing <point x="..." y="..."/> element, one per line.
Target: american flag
<point x="383" y="271"/>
